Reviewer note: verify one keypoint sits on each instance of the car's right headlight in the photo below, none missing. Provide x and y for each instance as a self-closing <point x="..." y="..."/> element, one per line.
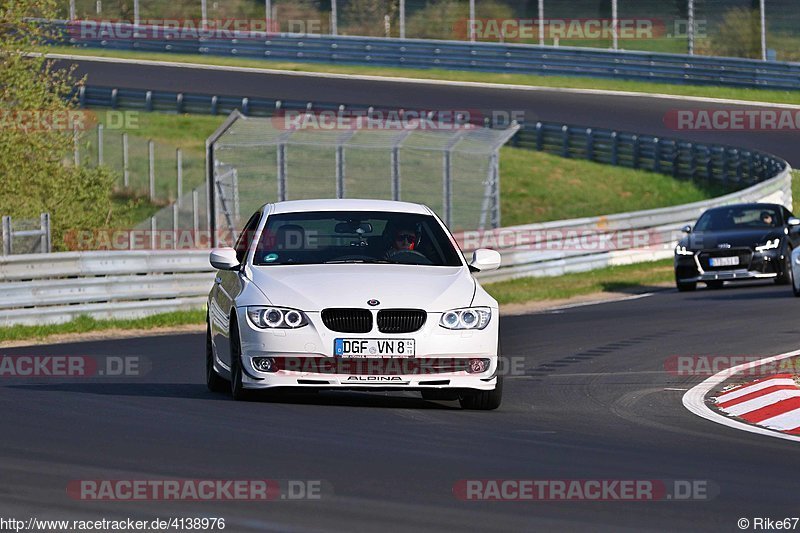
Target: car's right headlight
<point x="681" y="250"/>
<point x="276" y="317"/>
<point x="467" y="318"/>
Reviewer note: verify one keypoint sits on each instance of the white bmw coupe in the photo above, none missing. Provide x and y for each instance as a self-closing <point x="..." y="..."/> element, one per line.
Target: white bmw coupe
<point x="352" y="294"/>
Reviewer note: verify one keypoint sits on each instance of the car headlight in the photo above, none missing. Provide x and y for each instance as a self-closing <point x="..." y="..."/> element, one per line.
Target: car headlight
<point x="276" y="317"/>
<point x="468" y="318"/>
<point x="771" y="245"/>
<point x="681" y="250"/>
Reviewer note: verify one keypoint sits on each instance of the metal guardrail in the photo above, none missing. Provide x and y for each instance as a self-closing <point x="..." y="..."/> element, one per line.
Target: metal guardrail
<point x="51" y="288"/>
<point x="457" y="55"/>
<point x="729" y="165"/>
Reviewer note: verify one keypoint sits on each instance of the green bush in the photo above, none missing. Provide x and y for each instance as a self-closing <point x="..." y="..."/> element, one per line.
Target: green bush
<point x="739" y="34"/>
<point x="447" y="19"/>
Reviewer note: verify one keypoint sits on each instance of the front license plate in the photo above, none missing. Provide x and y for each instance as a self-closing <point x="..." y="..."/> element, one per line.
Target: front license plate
<point x="373" y="348"/>
<point x="724" y="261"/>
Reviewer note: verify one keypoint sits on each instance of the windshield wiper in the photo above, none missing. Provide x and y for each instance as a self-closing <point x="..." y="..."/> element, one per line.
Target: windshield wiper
<point x="369" y="261"/>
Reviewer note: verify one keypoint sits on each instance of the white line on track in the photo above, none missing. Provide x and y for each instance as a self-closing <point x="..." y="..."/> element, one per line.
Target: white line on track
<point x="694" y="399"/>
<point x="596" y="302"/>
<point x="399" y="79"/>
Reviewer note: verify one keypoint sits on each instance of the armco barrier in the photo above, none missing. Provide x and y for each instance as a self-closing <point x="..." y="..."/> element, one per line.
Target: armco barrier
<point x="729" y="165"/>
<point x="52" y="288"/>
<point x="453" y="55"/>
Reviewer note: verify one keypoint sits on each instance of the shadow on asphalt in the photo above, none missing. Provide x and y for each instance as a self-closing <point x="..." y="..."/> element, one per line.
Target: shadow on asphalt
<point x="200" y="392"/>
<point x="742" y="291"/>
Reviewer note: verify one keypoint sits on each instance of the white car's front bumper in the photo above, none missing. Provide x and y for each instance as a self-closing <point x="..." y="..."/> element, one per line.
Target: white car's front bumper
<point x="304" y="357"/>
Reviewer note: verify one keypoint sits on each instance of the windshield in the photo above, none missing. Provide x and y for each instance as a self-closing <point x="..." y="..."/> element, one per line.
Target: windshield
<point x="331" y="237"/>
<point x="738" y="218"/>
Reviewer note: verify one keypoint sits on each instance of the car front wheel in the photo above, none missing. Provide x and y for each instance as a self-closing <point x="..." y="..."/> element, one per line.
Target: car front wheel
<point x="484" y="400"/>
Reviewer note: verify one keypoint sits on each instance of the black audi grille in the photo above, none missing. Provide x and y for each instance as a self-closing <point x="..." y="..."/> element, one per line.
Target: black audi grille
<point x="347" y="320"/>
<point x="400" y="320"/>
<point x="744" y="255"/>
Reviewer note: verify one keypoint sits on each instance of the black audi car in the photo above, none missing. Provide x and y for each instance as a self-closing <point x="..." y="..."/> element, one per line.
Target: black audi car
<point x="737" y="242"/>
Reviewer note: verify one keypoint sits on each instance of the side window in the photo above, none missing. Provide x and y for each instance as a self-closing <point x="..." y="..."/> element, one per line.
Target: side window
<point x="246" y="237"/>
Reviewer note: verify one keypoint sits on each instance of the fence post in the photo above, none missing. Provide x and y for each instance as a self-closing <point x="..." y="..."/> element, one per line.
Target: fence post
<point x="195" y="214"/>
<point x="152" y="168"/>
<point x="281" y="172"/>
<point x="6" y="235"/>
<point x="179" y="165"/>
<point x="44" y="223"/>
<point x="76" y="156"/>
<point x="175" y="226"/>
<point x="447" y="188"/>
<point x="340" y="171"/>
<point x="395" y="173"/>
<point x="126" y="176"/>
<point x="153" y="228"/>
<point x="99" y="144"/>
<point x="334" y="18"/>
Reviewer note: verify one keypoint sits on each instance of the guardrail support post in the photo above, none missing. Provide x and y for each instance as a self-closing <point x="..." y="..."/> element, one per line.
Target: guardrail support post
<point x="126" y="175"/>
<point x="214" y="104"/>
<point x="148" y="100"/>
<point x="6" y="235"/>
<point x="614" y="148"/>
<point x="635" y="155"/>
<point x="589" y="144"/>
<point x="44" y="222"/>
<point x="564" y="141"/>
<point x="656" y="155"/>
<point x="151" y="159"/>
<point x="179" y="103"/>
<point x="539" y="136"/>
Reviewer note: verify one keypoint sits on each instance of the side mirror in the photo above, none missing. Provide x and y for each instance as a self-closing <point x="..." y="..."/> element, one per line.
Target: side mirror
<point x="793" y="221"/>
<point x="686" y="229"/>
<point x="484" y="259"/>
<point x="223" y="258"/>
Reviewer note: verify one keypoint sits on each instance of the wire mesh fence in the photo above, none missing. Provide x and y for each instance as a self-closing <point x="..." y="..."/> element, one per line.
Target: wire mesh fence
<point x="721" y="27"/>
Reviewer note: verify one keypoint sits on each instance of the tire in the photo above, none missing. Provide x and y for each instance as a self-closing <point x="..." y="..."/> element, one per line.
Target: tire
<point x="686" y="287"/>
<point x="238" y="392"/>
<point x="214" y="381"/>
<point x="715" y="285"/>
<point x="484" y="400"/>
<point x="786" y="277"/>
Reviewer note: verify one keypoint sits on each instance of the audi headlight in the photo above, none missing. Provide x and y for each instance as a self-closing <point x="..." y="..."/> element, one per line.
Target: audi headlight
<point x="771" y="245"/>
<point x="469" y="318"/>
<point x="276" y="317"/>
<point x="681" y="250"/>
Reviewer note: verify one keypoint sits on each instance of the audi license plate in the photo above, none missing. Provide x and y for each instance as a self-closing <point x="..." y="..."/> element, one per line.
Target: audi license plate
<point x="724" y="261"/>
<point x="373" y="348"/>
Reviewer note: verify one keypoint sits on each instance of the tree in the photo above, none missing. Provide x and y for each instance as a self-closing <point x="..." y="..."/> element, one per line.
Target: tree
<point x="36" y="119"/>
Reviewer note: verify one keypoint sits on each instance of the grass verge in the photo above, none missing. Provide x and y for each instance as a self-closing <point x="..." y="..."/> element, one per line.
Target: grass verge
<point x="757" y="95"/>
<point x="609" y="279"/>
<point x="85" y="324"/>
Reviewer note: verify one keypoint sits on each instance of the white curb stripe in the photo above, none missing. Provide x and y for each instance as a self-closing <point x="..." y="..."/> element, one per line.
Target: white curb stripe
<point x="762" y="401"/>
<point x="784" y="421"/>
<point x="744" y="391"/>
<point x="694" y="399"/>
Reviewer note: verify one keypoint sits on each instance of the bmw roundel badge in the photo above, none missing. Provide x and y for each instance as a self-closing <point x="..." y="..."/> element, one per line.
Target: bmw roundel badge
<point x="373" y="302"/>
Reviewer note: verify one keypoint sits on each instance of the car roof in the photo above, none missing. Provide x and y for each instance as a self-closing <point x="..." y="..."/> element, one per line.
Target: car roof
<point x="749" y="205"/>
<point x="348" y="204"/>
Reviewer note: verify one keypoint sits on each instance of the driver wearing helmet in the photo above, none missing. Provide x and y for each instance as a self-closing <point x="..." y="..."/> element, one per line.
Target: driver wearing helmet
<point x="404" y="238"/>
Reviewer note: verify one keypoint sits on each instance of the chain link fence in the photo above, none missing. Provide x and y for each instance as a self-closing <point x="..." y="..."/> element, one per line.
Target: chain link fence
<point x="25" y="235"/>
<point x="721" y="27"/>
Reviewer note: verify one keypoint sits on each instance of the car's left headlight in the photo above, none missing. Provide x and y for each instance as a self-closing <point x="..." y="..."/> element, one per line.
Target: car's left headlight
<point x="467" y="318"/>
<point x="276" y="317"/>
<point x="771" y="245"/>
